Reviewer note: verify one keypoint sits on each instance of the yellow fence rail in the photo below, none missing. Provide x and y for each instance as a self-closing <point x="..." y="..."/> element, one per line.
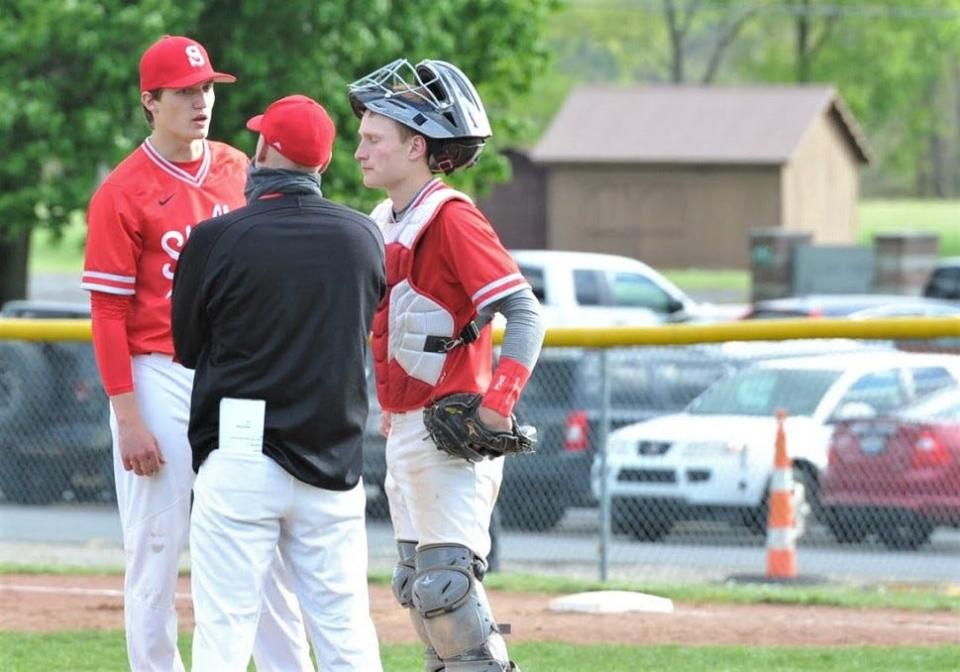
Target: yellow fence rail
<point x="757" y="330"/>
<point x="610" y="337"/>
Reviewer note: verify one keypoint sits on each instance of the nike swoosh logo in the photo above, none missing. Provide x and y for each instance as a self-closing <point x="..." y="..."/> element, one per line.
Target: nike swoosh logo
<point x="163" y="201"/>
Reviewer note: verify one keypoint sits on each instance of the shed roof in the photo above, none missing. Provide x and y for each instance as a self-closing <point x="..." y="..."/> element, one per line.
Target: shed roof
<point x="691" y="124"/>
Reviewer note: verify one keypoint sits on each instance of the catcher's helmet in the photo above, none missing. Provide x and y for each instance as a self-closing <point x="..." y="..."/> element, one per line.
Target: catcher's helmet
<point x="434" y="99"/>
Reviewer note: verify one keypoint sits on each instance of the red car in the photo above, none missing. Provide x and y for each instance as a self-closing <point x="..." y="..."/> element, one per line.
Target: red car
<point x="897" y="476"/>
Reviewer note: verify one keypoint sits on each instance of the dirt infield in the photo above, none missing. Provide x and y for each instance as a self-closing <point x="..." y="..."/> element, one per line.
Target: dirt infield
<point x="48" y="603"/>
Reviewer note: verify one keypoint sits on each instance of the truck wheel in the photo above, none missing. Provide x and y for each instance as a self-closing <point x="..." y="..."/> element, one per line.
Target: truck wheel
<point x="28" y="481"/>
<point x="534" y="516"/>
<point x="639" y="522"/>
<point x="905" y="535"/>
<point x="844" y="528"/>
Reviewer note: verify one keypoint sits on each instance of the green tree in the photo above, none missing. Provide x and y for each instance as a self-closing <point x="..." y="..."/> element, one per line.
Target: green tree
<point x="68" y="82"/>
<point x="890" y="61"/>
<point x="650" y="40"/>
<point x="896" y="63"/>
<point x="709" y="29"/>
<point x="67" y="109"/>
<point x="314" y="48"/>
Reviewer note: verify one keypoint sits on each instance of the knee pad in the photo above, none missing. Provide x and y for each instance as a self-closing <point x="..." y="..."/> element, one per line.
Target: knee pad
<point x="404" y="572"/>
<point x="454" y="606"/>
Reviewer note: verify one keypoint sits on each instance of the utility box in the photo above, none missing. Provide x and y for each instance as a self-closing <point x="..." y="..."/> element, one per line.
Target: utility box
<point x="832" y="269"/>
<point x="771" y="262"/>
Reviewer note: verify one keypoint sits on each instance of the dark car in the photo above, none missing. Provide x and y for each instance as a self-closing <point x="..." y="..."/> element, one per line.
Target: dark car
<point x="850" y="305"/>
<point x="374" y="457"/>
<point x="562" y="401"/>
<point x="54" y="415"/>
<point x="896" y="476"/>
<point x="944" y="281"/>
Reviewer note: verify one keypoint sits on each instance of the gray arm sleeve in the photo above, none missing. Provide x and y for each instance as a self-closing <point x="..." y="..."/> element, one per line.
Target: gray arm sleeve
<point x="523" y="335"/>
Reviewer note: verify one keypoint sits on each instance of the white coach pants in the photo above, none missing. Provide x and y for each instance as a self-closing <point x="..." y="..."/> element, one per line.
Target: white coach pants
<point x="155" y="514"/>
<point x="246" y="507"/>
<point x="436" y="498"/>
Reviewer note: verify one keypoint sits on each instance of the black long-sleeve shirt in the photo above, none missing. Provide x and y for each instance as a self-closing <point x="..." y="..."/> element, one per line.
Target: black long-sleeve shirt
<point x="274" y="301"/>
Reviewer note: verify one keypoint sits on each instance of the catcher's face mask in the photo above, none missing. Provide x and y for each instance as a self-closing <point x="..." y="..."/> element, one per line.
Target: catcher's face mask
<point x="434" y="99"/>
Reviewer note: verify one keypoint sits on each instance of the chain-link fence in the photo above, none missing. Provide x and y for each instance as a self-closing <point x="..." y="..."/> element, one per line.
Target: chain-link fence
<point x="865" y="433"/>
<point x="653" y="461"/>
<point x="54" y="432"/>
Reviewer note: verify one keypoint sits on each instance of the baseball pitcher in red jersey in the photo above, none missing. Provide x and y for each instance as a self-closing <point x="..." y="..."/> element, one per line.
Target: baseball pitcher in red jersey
<point x="446" y="270"/>
<point x="138" y="221"/>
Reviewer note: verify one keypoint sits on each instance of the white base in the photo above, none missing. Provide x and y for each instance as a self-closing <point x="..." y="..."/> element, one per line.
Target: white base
<point x="612" y="602"/>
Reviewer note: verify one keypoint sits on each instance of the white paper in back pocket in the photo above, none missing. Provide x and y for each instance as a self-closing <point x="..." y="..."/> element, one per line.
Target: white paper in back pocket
<point x="241" y="425"/>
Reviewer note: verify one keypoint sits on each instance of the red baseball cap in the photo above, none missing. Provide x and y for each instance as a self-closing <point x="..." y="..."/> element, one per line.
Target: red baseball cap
<point x="299" y="128"/>
<point x="175" y="62"/>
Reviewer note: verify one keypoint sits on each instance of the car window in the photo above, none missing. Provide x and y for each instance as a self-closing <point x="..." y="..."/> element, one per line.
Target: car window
<point x="588" y="286"/>
<point x="764" y="391"/>
<point x="535" y="277"/>
<point x="677" y="382"/>
<point x="930" y="379"/>
<point x="881" y="390"/>
<point x="942" y="406"/>
<point x="635" y="290"/>
<point x="631" y="381"/>
<point x="944" y="284"/>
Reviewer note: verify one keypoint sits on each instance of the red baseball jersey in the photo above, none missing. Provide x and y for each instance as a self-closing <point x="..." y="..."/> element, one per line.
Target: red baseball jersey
<point x="444" y="264"/>
<point x="138" y="221"/>
<point x="461" y="262"/>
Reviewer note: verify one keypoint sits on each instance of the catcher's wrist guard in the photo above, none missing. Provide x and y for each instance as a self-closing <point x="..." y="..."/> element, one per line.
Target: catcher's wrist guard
<point x="453" y="425"/>
<point x="509" y="378"/>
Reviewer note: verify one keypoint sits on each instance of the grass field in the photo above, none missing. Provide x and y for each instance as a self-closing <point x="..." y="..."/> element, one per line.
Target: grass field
<point x="918" y="597"/>
<point x="879" y="216"/>
<point x="63" y="254"/>
<point x="104" y="652"/>
<point x="940" y="217"/>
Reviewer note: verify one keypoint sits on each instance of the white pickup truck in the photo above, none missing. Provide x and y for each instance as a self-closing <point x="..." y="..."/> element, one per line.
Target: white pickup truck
<point x="592" y="289"/>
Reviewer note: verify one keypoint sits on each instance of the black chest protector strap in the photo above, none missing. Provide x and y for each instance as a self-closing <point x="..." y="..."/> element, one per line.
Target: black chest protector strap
<point x="467" y="335"/>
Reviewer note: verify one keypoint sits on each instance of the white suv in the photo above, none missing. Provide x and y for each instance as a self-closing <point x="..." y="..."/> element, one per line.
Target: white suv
<point x="590" y="289"/>
<point x="715" y="459"/>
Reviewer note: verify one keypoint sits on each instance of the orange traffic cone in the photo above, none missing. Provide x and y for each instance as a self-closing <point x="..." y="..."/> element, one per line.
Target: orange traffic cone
<point x="781" y="532"/>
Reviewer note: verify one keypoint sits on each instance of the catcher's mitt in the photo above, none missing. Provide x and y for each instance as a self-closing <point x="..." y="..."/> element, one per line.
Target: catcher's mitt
<point x="453" y="425"/>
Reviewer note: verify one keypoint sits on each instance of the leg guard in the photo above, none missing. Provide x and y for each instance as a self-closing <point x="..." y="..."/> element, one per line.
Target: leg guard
<point x="404" y="573"/>
<point x="456" y="613"/>
<point x="402" y="584"/>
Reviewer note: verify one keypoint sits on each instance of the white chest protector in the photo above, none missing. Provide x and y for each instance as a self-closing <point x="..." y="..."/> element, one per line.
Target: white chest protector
<point x="412" y="315"/>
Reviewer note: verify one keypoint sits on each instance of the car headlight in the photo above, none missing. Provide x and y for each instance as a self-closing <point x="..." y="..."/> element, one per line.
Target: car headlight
<point x="713" y="448"/>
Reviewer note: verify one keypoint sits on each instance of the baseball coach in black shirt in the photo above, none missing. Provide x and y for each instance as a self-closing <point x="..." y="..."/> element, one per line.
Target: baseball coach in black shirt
<point x="272" y="306"/>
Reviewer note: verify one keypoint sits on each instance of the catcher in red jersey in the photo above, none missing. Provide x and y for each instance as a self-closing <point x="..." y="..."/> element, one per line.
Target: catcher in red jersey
<point x="447" y="274"/>
<point x="138" y="221"/>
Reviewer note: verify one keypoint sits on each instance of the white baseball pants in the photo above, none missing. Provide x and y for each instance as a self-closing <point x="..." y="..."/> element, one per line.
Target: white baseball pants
<point x="155" y="514"/>
<point x="436" y="498"/>
<point x="246" y="507"/>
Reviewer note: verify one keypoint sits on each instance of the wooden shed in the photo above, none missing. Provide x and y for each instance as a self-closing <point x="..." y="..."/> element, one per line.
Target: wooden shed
<point x="679" y="175"/>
